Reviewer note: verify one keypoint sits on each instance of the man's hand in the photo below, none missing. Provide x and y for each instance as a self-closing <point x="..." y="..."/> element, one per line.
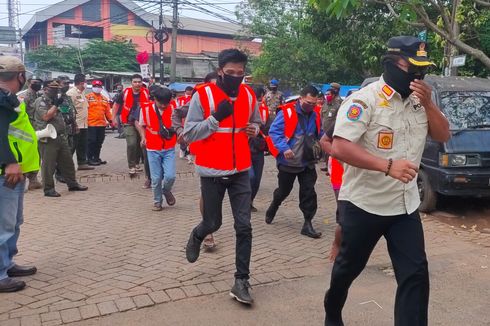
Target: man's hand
<point x="326" y="144"/>
<point x="251" y="130"/>
<point x="115" y="123"/>
<point x="143" y="142"/>
<point x="289" y="155"/>
<point x="224" y="110"/>
<point x="422" y="91"/>
<point x="403" y="170"/>
<point x="181" y="140"/>
<point x="13" y="174"/>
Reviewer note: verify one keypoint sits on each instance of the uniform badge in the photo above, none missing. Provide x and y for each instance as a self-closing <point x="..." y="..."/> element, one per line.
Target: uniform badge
<point x="355" y="111"/>
<point x="388" y="92"/>
<point x="385" y="139"/>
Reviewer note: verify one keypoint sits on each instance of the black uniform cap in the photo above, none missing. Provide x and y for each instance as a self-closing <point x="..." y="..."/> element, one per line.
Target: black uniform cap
<point x="412" y="48"/>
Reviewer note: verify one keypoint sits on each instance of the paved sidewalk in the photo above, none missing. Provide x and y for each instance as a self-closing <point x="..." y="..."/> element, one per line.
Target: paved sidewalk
<point x="104" y="251"/>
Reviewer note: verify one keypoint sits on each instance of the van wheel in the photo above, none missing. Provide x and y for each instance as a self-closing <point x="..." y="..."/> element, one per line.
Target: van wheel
<point x="428" y="198"/>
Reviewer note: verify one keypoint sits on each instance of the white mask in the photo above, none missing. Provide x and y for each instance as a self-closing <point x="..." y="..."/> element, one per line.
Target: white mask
<point x="97" y="90"/>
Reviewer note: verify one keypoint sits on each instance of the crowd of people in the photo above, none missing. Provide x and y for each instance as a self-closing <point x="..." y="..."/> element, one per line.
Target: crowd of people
<point x="371" y="142"/>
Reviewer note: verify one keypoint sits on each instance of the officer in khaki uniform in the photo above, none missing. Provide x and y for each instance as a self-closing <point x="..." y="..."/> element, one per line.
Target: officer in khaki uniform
<point x="54" y="152"/>
<point x="380" y="134"/>
<point x="331" y="106"/>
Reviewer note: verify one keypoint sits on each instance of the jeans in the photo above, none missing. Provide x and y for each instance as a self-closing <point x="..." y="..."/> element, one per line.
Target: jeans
<point x="96" y="136"/>
<point x="307" y="195"/>
<point x="255" y="172"/>
<point x="404" y="236"/>
<point x="80" y="145"/>
<point x="132" y="145"/>
<point x="212" y="192"/>
<point x="11" y="218"/>
<point x="162" y="166"/>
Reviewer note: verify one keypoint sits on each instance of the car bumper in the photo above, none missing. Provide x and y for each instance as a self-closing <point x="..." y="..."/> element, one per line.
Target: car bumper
<point x="460" y="182"/>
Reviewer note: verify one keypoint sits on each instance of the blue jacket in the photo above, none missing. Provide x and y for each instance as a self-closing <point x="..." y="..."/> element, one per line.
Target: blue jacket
<point x="296" y="143"/>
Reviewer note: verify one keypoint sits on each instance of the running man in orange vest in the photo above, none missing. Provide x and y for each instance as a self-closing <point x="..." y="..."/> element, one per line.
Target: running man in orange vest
<point x="220" y="120"/>
<point x="159" y="138"/>
<point x="99" y="115"/>
<point x="128" y="107"/>
<point x="292" y="137"/>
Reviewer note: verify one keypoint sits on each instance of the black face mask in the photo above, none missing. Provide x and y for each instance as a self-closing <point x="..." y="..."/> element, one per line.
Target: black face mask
<point x="230" y="84"/>
<point x="64" y="89"/>
<point x="399" y="79"/>
<point x="52" y="94"/>
<point x="273" y="89"/>
<point x="36" y="87"/>
<point x="8" y="99"/>
<point x="307" y="107"/>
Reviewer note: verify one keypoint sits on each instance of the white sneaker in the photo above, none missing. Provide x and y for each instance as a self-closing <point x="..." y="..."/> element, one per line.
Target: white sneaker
<point x="132" y="171"/>
<point x="189" y="159"/>
<point x="181" y="154"/>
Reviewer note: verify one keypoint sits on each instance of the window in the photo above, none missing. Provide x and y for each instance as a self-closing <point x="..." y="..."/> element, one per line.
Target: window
<point x="91" y="11"/>
<point x="119" y="14"/>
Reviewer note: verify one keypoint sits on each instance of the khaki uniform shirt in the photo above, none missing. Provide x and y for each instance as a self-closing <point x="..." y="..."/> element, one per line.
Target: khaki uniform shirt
<point x="81" y="107"/>
<point x="379" y="120"/>
<point x="43" y="104"/>
<point x="29" y="100"/>
<point x="329" y="112"/>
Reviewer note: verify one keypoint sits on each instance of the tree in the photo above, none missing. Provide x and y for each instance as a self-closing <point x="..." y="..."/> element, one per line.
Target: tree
<point x="443" y="17"/>
<point x="114" y="55"/>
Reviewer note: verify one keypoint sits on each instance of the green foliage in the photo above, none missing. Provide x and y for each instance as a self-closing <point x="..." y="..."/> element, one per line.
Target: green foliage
<point x="114" y="55"/>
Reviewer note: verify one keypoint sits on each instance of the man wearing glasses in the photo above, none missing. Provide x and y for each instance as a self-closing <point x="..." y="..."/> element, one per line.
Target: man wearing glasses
<point x="380" y="134"/>
<point x="295" y="129"/>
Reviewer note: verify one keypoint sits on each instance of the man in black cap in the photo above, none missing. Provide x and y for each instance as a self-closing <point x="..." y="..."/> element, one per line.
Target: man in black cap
<point x="380" y="134"/>
<point x="54" y="152"/>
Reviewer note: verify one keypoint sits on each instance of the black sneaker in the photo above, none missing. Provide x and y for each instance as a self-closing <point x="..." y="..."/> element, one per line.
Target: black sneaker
<point x="253" y="209"/>
<point x="270" y="214"/>
<point x="239" y="291"/>
<point x="193" y="248"/>
<point x="11" y="285"/>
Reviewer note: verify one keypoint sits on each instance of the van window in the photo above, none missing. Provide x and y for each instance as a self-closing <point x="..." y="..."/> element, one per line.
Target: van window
<point x="466" y="109"/>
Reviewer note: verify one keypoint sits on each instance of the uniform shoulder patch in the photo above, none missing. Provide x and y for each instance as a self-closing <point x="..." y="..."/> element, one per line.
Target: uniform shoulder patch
<point x="361" y="103"/>
<point x="354" y="112"/>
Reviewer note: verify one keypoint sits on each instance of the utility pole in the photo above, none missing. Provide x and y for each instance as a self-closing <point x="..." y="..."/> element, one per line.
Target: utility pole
<point x="162" y="73"/>
<point x="173" y="55"/>
<point x="455" y="30"/>
<point x="152" y="51"/>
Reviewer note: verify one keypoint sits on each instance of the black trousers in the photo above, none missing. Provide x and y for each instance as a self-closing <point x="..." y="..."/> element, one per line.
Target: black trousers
<point x="213" y="192"/>
<point x="255" y="172"/>
<point x="307" y="194"/>
<point x="405" y="238"/>
<point x="80" y="144"/>
<point x="96" y="136"/>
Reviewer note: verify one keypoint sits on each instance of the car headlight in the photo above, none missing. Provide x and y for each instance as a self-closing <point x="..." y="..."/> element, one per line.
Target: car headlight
<point x="458" y="160"/>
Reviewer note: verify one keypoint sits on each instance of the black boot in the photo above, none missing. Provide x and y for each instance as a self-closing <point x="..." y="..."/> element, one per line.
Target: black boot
<point x="239" y="291"/>
<point x="309" y="231"/>
<point x="193" y="248"/>
<point x="271" y="213"/>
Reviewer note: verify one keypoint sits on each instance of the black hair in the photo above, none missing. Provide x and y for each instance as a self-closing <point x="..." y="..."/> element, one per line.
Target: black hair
<point x="136" y="76"/>
<point x="79" y="78"/>
<point x="162" y="94"/>
<point x="310" y="89"/>
<point x="259" y="91"/>
<point x="231" y="55"/>
<point x="211" y="75"/>
<point x="189" y="88"/>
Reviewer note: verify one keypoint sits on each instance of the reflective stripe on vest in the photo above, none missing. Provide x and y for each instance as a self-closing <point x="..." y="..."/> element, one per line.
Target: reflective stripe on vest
<point x="20" y="134"/>
<point x="227" y="148"/>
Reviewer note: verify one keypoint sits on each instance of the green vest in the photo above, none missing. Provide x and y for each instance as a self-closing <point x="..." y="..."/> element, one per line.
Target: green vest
<point x="23" y="141"/>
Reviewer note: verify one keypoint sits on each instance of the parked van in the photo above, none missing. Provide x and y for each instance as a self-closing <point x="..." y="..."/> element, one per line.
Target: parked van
<point x="460" y="166"/>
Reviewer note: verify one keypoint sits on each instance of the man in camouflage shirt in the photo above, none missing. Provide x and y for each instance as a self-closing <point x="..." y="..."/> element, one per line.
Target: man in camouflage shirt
<point x="273" y="98"/>
<point x="35" y="85"/>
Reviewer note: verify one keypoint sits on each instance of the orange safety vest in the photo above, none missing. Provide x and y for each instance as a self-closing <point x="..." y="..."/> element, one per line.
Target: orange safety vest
<point x="153" y="139"/>
<point x="183" y="100"/>
<point x="264" y="112"/>
<point x="128" y="102"/>
<point x="226" y="149"/>
<point x="99" y="110"/>
<point x="290" y="124"/>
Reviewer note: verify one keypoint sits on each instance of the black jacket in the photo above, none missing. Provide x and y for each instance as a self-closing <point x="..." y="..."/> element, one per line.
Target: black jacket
<point x="7" y="115"/>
